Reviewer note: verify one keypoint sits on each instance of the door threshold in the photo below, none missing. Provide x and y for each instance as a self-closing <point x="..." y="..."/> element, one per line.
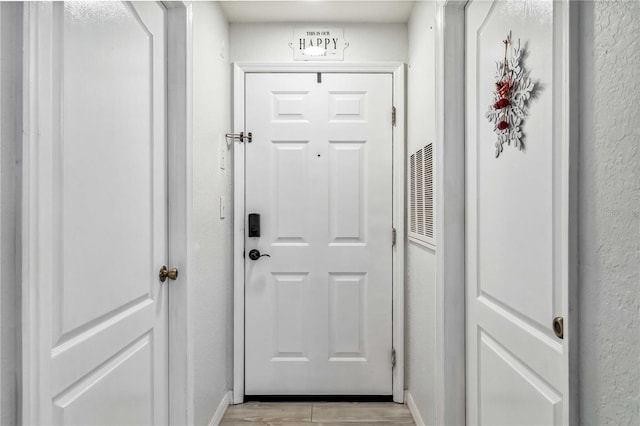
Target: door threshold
<point x="318" y="398"/>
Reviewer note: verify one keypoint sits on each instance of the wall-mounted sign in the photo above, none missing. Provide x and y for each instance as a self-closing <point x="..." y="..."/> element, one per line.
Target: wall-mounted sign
<point x="318" y="44"/>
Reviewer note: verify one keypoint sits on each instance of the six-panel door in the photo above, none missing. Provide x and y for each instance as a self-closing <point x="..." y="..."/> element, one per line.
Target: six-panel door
<point x="319" y="173"/>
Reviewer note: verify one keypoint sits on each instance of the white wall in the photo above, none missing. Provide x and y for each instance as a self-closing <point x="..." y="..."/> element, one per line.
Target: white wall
<point x="212" y="293"/>
<point x="10" y="133"/>
<point x="420" y="375"/>
<point x="609" y="215"/>
<point x="260" y="42"/>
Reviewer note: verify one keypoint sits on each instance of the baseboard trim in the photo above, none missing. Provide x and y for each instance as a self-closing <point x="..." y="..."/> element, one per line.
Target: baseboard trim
<point x="413" y="409"/>
<point x="318" y="398"/>
<point x="222" y="408"/>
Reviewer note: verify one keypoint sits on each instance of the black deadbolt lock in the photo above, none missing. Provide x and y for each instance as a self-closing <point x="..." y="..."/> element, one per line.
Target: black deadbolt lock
<point x="254" y="225"/>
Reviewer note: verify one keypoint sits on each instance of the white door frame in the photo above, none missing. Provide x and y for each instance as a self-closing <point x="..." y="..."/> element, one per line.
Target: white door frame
<point x="398" y="72"/>
<point x="450" y="213"/>
<point x="36" y="156"/>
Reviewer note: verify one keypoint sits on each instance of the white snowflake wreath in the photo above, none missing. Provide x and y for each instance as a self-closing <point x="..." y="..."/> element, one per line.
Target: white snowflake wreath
<point x="513" y="91"/>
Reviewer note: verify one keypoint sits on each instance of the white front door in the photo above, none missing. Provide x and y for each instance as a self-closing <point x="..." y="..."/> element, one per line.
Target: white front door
<point x="99" y="196"/>
<point x="319" y="174"/>
<point x="516" y="230"/>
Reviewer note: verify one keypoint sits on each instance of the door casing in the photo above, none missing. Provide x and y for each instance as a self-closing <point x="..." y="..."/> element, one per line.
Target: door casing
<point x="37" y="24"/>
<point x="399" y="214"/>
<point x="450" y="193"/>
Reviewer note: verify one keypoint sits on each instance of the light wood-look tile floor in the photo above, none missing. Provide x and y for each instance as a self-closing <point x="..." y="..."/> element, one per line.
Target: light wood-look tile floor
<point x="317" y="413"/>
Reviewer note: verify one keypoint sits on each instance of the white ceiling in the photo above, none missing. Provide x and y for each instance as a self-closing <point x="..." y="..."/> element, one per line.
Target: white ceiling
<point x="326" y="11"/>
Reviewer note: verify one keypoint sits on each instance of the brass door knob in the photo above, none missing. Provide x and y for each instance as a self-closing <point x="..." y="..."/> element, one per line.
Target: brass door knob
<point x="165" y="273"/>
<point x="558" y="327"/>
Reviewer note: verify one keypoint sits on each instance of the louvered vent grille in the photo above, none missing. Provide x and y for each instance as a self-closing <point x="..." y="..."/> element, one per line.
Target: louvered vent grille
<point x="421" y="221"/>
<point x="412" y="199"/>
<point x="428" y="190"/>
<point x="420" y="192"/>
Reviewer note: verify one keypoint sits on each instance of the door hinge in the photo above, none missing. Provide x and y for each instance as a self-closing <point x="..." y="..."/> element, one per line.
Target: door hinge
<point x="393" y="115"/>
<point x="393" y="357"/>
<point x="393" y="236"/>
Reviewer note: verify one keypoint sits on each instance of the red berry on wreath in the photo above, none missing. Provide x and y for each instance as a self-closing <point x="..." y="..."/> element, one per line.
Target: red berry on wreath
<point x="503" y="125"/>
<point x="503" y="103"/>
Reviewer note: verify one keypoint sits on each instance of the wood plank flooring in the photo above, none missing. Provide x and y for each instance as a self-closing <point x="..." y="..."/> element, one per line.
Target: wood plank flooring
<point x="317" y="414"/>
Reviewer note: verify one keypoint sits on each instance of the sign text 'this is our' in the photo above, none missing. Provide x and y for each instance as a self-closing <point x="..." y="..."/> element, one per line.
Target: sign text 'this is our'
<point x="316" y="39"/>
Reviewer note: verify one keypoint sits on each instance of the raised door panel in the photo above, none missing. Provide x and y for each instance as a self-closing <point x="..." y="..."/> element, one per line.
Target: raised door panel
<point x="290" y="325"/>
<point x="292" y="184"/>
<point x="118" y="392"/>
<point x="512" y="393"/>
<point x="345" y="106"/>
<point x="107" y="130"/>
<point x="347" y="317"/>
<point x="347" y="193"/>
<point x="290" y="106"/>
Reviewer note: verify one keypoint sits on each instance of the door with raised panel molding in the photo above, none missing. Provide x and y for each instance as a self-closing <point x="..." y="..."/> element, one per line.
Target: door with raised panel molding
<point x="319" y="174"/>
<point x="99" y="198"/>
<point x="517" y="228"/>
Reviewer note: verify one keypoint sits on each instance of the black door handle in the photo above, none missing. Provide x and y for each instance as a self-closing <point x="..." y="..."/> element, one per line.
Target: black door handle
<point x="255" y="254"/>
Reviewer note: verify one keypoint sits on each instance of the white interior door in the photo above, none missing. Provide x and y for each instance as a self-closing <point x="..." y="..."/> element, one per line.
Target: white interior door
<point x="101" y="201"/>
<point x="517" y="267"/>
<point x="319" y="173"/>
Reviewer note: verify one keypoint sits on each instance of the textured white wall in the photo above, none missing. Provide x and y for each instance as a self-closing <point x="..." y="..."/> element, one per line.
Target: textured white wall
<point x="267" y="42"/>
<point x="10" y="132"/>
<point x="212" y="293"/>
<point x="420" y="376"/>
<point x="609" y="215"/>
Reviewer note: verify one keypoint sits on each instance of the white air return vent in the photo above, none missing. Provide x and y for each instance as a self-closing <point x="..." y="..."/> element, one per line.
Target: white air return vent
<point x="421" y="208"/>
